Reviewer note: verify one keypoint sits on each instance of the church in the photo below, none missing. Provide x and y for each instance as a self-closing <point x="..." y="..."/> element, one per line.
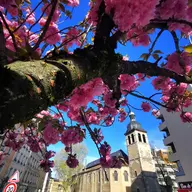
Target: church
<point x="137" y="173"/>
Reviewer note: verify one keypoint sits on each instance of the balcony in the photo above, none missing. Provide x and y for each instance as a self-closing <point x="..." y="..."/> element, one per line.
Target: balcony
<point x="173" y="157"/>
<point x="167" y="140"/>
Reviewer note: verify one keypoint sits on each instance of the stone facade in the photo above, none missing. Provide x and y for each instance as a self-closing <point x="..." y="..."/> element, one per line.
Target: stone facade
<point x="136" y="175"/>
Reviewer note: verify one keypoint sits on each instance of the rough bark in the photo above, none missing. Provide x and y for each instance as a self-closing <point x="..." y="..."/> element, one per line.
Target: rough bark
<point x="27" y="87"/>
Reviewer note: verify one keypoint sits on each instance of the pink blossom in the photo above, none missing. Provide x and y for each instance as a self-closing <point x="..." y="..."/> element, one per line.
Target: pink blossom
<point x="73" y="3"/>
<point x="156" y="112"/>
<point x="7" y="3"/>
<point x="72" y="162"/>
<point x="122" y="115"/>
<point x="186" y="117"/>
<point x="179" y="63"/>
<point x="128" y="83"/>
<point x="169" y="9"/>
<point x="31" y="17"/>
<point x="47" y="7"/>
<point x="109" y="100"/>
<point x="49" y="154"/>
<point x="109" y="120"/>
<point x="181" y="88"/>
<point x="105" y="149"/>
<point x="85" y="93"/>
<point x="146" y="107"/>
<point x="140" y="12"/>
<point x="72" y="37"/>
<point x="140" y="37"/>
<point x="46" y="165"/>
<point x="33" y="144"/>
<point x="52" y="35"/>
<point x="125" y="58"/>
<point x="51" y="134"/>
<point x="72" y="135"/>
<point x="106" y="161"/>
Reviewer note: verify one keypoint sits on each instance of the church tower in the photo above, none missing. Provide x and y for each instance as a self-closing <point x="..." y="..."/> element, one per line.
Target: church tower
<point x="142" y="168"/>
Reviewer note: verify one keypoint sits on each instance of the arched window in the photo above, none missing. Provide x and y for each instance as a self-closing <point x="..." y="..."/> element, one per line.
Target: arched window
<point x="133" y="139"/>
<point x="125" y="175"/>
<point x="129" y="140"/>
<point x="135" y="173"/>
<point x="139" y="136"/>
<point x="144" y="139"/>
<point x="99" y="176"/>
<point x="115" y="175"/>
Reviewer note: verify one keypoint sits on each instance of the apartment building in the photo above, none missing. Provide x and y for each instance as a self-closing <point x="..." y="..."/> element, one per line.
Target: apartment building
<point x="178" y="137"/>
<point x="166" y="171"/>
<point x="27" y="163"/>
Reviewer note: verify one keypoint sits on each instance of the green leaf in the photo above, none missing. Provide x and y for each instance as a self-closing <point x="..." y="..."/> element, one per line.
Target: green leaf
<point x="145" y="56"/>
<point x="155" y="56"/>
<point x="158" y="51"/>
<point x="188" y="48"/>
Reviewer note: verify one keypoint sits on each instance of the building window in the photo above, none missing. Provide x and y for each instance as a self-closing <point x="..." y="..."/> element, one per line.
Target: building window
<point x="180" y="169"/>
<point x="138" y="190"/>
<point x="139" y="136"/>
<point x="125" y="175"/>
<point x="133" y="139"/>
<point x="105" y="175"/>
<point x="144" y="139"/>
<point x="135" y="173"/>
<point x="129" y="139"/>
<point x="115" y="175"/>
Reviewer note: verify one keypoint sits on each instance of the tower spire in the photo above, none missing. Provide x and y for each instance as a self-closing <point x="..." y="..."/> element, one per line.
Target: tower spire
<point x="132" y="116"/>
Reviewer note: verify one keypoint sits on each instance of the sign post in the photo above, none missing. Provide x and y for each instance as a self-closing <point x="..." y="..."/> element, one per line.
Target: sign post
<point x="12" y="186"/>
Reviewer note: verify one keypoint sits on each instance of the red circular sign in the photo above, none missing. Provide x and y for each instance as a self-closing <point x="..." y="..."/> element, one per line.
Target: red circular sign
<point x="11" y="187"/>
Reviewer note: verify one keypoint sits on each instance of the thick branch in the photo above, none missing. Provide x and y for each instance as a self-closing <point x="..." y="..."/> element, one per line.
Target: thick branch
<point x="28" y="87"/>
<point x="148" y="68"/>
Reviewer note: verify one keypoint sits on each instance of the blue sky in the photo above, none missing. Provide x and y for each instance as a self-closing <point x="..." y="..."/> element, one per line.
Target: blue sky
<point x="114" y="135"/>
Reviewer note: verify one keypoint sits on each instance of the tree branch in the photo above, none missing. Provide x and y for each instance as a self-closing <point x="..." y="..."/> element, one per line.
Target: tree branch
<point x="10" y="32"/>
<point x="172" y="20"/>
<point x="3" y="55"/>
<point x="46" y="25"/>
<point x="148" y="68"/>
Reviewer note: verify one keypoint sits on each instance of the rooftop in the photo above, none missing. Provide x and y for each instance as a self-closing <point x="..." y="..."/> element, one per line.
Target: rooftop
<point x="118" y="153"/>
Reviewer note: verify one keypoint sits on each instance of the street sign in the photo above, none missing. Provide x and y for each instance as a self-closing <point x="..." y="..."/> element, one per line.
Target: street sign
<point x="14" y="178"/>
<point x="11" y="187"/>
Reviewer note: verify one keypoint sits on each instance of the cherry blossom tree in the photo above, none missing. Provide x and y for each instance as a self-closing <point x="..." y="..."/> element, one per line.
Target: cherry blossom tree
<point x="92" y="83"/>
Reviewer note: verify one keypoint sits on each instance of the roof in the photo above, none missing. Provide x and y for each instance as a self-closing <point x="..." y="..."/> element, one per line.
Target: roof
<point x="133" y="125"/>
<point x="119" y="153"/>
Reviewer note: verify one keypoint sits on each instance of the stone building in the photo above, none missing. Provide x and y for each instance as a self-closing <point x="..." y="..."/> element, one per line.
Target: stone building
<point x="137" y="173"/>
